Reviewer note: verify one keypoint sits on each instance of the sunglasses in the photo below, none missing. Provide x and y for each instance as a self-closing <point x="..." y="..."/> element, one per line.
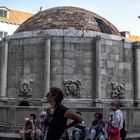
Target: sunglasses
<point x="50" y="94"/>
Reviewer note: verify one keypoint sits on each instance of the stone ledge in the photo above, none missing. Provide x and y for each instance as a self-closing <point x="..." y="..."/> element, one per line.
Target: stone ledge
<point x="17" y="136"/>
<point x="133" y="136"/>
<point x="9" y="135"/>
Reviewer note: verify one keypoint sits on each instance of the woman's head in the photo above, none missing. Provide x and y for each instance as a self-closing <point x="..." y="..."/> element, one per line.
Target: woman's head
<point x="32" y="116"/>
<point x="56" y="94"/>
<point x="28" y="125"/>
<point x="114" y="106"/>
<point x="98" y="116"/>
<point x="43" y="115"/>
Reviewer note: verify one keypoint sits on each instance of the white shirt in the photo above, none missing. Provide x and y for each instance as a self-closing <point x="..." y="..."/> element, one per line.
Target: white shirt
<point x="117" y="119"/>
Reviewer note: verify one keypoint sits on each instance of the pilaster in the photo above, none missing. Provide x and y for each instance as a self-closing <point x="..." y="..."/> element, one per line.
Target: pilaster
<point x="97" y="74"/>
<point x="47" y="66"/>
<point x="4" y="63"/>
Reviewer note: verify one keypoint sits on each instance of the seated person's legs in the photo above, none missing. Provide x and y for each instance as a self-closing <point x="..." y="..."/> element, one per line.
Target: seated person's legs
<point x="87" y="132"/>
<point x="92" y="134"/>
<point x="32" y="134"/>
<point x="77" y="134"/>
<point x="39" y="134"/>
<point x="22" y="134"/>
<point x="101" y="137"/>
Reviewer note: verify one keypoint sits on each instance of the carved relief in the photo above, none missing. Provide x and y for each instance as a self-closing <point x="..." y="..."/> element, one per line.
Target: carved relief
<point x="72" y="88"/>
<point x="118" y="90"/>
<point x="26" y="87"/>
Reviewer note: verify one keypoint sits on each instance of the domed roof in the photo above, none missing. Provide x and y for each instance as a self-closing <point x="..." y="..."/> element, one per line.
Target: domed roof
<point x="68" y="18"/>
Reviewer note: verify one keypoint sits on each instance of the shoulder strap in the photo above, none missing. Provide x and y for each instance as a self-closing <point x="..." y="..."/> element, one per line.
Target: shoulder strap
<point x="48" y="110"/>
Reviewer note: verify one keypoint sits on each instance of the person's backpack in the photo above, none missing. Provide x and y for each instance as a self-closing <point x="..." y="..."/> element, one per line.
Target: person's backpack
<point x="123" y="131"/>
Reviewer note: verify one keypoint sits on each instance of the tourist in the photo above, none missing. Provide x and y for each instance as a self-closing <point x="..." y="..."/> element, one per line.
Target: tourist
<point x="28" y="131"/>
<point x="32" y="117"/>
<point x="79" y="132"/>
<point x="98" y="127"/>
<point x="116" y="123"/>
<point x="42" y="126"/>
<point x="58" y="115"/>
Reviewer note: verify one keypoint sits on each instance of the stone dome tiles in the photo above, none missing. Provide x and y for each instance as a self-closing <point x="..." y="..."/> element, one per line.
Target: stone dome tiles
<point x="68" y="18"/>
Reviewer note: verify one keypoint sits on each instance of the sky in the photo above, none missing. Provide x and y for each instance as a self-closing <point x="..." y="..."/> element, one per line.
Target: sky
<point x="121" y="13"/>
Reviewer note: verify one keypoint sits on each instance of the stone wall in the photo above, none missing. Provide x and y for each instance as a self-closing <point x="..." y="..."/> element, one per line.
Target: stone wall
<point x="90" y="67"/>
<point x="26" y="66"/>
<point x="73" y="65"/>
<point x="115" y="69"/>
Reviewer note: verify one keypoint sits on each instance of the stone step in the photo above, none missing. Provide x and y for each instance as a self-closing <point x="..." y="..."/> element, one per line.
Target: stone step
<point x="133" y="136"/>
<point x="9" y="136"/>
<point x="16" y="136"/>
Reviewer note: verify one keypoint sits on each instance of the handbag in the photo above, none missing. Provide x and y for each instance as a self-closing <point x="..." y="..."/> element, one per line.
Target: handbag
<point x="112" y="130"/>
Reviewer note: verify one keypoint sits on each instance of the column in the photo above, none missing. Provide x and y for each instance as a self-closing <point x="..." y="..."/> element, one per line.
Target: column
<point x="137" y="71"/>
<point x="4" y="62"/>
<point x="47" y="66"/>
<point x="98" y="78"/>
